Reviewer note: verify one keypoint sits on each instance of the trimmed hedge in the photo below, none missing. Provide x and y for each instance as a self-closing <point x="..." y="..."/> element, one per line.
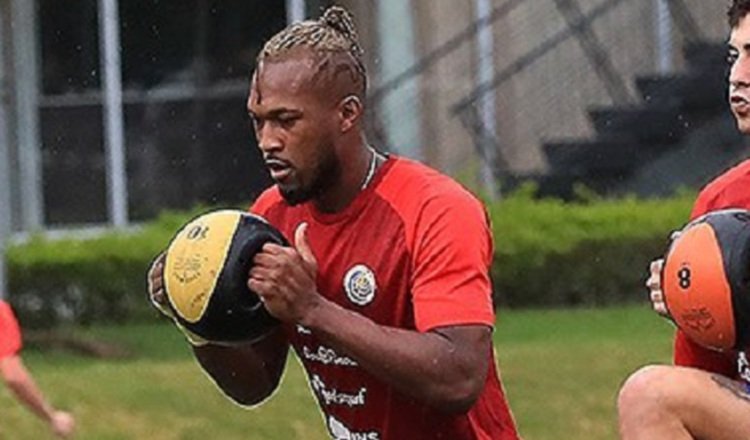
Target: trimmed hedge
<point x="101" y="279"/>
<point x="551" y="253"/>
<point x="547" y="253"/>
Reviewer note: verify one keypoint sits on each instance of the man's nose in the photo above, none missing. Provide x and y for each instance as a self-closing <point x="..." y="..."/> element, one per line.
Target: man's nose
<point x="268" y="138"/>
<point x="739" y="74"/>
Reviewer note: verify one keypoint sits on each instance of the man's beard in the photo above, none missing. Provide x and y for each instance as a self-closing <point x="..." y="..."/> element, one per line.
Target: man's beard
<point x="324" y="177"/>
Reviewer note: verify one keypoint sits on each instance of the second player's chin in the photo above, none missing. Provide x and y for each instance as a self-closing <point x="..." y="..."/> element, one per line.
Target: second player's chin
<point x="743" y="125"/>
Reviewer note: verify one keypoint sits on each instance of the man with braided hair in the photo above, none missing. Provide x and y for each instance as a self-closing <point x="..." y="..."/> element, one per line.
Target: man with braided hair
<point x="385" y="294"/>
<point x="706" y="395"/>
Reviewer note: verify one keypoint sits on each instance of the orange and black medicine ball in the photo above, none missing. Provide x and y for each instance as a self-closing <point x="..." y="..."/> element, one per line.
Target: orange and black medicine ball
<point x="206" y="272"/>
<point x="706" y="280"/>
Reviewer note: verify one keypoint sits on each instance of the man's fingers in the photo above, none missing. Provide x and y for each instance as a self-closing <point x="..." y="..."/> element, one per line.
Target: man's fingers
<point x="157" y="266"/>
<point x="653" y="282"/>
<point x="260" y="286"/>
<point x="272" y="249"/>
<point x="157" y="283"/>
<point x="661" y="308"/>
<point x="156" y="273"/>
<point x="156" y="292"/>
<point x="159" y="296"/>
<point x="657" y="296"/>
<point x="657" y="266"/>
<point x="262" y="273"/>
<point x="264" y="259"/>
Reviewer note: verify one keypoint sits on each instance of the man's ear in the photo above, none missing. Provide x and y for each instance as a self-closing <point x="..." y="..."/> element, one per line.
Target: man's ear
<point x="350" y="110"/>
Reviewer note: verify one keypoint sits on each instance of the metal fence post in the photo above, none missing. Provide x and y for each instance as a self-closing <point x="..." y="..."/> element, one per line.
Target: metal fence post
<point x="26" y="91"/>
<point x="485" y="69"/>
<point x="664" y="41"/>
<point x="296" y="10"/>
<point x="114" y="135"/>
<point x="4" y="148"/>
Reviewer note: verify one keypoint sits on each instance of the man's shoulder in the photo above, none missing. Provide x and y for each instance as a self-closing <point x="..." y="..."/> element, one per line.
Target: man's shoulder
<point x="739" y="173"/>
<point x="731" y="189"/>
<point x="414" y="180"/>
<point x="420" y="194"/>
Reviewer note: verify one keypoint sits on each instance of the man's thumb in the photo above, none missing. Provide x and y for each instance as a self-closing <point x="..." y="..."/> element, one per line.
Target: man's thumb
<point x="303" y="245"/>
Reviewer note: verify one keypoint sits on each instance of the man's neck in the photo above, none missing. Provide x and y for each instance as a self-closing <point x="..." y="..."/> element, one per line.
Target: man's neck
<point x="357" y="171"/>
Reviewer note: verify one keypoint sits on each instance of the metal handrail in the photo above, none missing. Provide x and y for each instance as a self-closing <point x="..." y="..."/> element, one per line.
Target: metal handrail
<point x="443" y="50"/>
<point x="685" y="21"/>
<point x="533" y="55"/>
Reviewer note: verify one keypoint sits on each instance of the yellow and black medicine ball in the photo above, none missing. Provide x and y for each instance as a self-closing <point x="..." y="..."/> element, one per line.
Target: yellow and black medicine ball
<point x="206" y="272"/>
<point x="706" y="280"/>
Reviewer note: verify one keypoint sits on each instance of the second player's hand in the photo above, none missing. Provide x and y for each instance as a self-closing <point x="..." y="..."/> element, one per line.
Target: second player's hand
<point x="62" y="424"/>
<point x="656" y="295"/>
<point x="284" y="278"/>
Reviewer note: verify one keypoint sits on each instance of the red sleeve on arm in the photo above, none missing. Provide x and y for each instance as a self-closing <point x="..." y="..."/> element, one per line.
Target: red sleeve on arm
<point x="701" y="206"/>
<point x="452" y="252"/>
<point x="689" y="354"/>
<point x="10" y="333"/>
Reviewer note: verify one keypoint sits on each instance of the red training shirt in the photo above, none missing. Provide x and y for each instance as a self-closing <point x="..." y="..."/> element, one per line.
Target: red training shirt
<point x="411" y="251"/>
<point x="730" y="190"/>
<point x="10" y="333"/>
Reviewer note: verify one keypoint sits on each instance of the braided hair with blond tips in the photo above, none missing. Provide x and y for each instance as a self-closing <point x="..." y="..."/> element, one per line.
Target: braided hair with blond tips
<point x="334" y="33"/>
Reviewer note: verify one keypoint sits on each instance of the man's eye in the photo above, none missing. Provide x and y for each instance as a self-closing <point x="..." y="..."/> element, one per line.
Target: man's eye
<point x="287" y="122"/>
<point x="732" y="57"/>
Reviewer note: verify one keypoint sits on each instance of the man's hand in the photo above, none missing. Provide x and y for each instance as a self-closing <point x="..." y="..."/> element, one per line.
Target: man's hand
<point x="62" y="423"/>
<point x="654" y="286"/>
<point x="284" y="278"/>
<point x="653" y="283"/>
<point x="156" y="293"/>
<point x="158" y="297"/>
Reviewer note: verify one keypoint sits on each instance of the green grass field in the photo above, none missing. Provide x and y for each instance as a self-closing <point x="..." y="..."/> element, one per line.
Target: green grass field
<point x="561" y="370"/>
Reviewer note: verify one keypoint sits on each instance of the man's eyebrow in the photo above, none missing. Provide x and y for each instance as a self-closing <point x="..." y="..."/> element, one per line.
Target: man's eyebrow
<point x="732" y="48"/>
<point x="276" y="112"/>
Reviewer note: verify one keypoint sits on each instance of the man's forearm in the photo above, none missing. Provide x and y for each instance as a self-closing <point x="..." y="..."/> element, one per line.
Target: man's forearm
<point x="443" y="368"/>
<point x="25" y="389"/>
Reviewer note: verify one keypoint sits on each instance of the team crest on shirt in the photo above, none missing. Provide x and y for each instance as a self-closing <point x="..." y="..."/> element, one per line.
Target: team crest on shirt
<point x="360" y="285"/>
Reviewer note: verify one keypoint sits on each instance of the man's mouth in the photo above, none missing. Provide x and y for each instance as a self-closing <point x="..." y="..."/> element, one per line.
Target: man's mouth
<point x="739" y="103"/>
<point x="278" y="168"/>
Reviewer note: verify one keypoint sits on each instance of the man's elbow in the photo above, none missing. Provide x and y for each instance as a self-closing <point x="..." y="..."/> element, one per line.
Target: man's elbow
<point x="247" y="398"/>
<point x="245" y="394"/>
<point x="248" y="393"/>
<point x="460" y="396"/>
<point x="12" y="382"/>
<point x="12" y="372"/>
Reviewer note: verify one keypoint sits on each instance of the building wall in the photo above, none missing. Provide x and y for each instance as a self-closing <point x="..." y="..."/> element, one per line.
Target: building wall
<point x="545" y="100"/>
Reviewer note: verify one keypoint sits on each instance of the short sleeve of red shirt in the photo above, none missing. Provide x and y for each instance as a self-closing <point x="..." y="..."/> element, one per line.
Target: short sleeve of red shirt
<point x="452" y="252"/>
<point x="10" y="333"/>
